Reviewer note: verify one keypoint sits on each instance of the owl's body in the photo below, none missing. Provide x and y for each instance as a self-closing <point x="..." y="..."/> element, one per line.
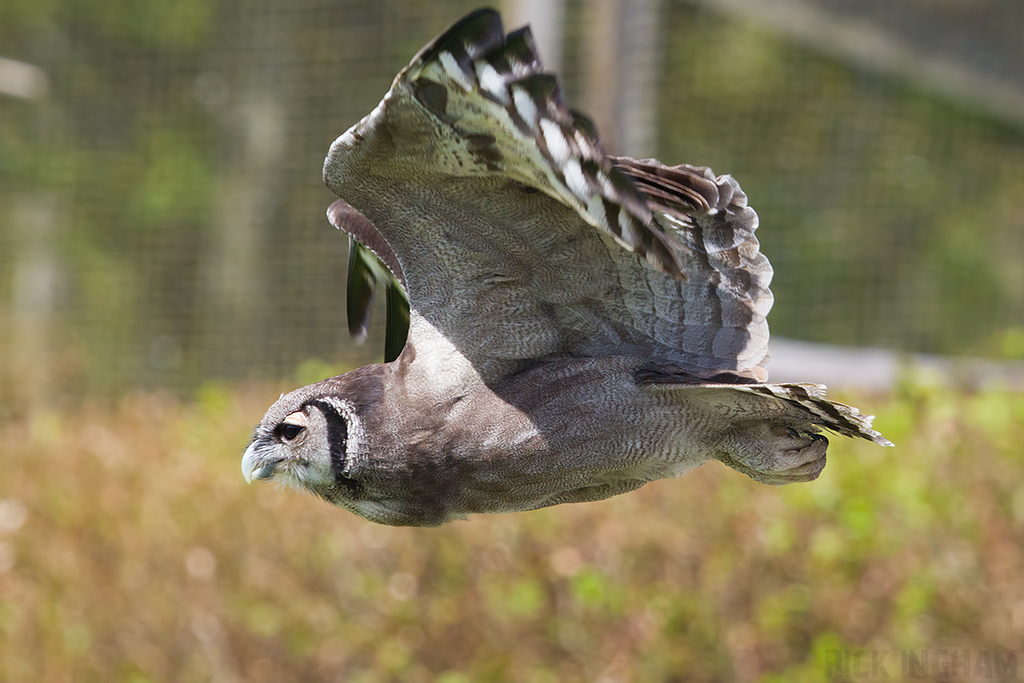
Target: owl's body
<point x="579" y="324"/>
<point x="566" y="431"/>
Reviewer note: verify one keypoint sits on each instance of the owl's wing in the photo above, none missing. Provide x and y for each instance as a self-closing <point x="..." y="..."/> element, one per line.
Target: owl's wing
<point x="519" y="238"/>
<point x="372" y="264"/>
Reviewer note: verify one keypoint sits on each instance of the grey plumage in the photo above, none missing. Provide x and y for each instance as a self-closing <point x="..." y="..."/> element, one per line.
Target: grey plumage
<point x="579" y="324"/>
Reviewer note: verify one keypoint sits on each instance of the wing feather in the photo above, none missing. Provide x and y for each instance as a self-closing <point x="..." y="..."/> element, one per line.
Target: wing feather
<point x="730" y="277"/>
<point x="497" y="85"/>
<point x="371" y="264"/>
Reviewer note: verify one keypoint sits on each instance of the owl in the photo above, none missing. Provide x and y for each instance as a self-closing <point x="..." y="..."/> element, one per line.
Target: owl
<point x="578" y="324"/>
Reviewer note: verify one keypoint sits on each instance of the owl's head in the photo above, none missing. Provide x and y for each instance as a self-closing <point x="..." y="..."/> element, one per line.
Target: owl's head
<point x="309" y="439"/>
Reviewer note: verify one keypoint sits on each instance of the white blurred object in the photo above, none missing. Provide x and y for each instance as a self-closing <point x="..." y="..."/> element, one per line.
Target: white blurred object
<point x="545" y="18"/>
<point x="22" y="80"/>
<point x="880" y="369"/>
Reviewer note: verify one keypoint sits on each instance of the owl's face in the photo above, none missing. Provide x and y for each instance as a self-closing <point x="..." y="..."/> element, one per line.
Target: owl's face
<point x="294" y="450"/>
<point x="305" y="440"/>
<point x="308" y="439"/>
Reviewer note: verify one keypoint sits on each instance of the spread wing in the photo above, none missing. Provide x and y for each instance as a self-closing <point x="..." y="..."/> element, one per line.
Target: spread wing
<point x="518" y="238"/>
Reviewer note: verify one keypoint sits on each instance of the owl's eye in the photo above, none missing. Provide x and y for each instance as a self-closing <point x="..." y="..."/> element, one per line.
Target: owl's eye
<point x="288" y="431"/>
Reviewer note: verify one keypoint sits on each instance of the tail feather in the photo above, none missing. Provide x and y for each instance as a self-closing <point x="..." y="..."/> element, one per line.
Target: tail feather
<point x="798" y="404"/>
<point x="837" y="417"/>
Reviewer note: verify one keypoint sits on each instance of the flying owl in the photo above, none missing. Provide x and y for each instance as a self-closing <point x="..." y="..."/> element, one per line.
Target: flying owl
<point x="578" y="324"/>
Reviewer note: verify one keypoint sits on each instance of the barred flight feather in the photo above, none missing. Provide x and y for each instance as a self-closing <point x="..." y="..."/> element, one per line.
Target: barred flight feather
<point x="535" y="137"/>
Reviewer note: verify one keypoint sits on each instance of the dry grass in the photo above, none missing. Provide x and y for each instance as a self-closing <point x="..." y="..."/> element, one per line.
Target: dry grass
<point x="132" y="550"/>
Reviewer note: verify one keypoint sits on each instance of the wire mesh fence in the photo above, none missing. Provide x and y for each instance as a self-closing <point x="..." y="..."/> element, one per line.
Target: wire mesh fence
<point x="162" y="208"/>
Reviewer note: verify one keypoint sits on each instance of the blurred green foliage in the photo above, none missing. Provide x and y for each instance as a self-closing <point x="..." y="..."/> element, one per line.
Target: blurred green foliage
<point x="132" y="550"/>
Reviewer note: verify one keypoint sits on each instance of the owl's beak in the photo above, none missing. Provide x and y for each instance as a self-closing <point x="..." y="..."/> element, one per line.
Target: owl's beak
<point x="254" y="466"/>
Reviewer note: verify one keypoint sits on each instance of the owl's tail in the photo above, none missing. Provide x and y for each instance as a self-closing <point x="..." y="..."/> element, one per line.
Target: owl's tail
<point x="836" y="417"/>
<point x="795" y="404"/>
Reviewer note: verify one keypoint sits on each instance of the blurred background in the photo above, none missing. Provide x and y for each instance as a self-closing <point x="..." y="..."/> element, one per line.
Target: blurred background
<point x="166" y="268"/>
